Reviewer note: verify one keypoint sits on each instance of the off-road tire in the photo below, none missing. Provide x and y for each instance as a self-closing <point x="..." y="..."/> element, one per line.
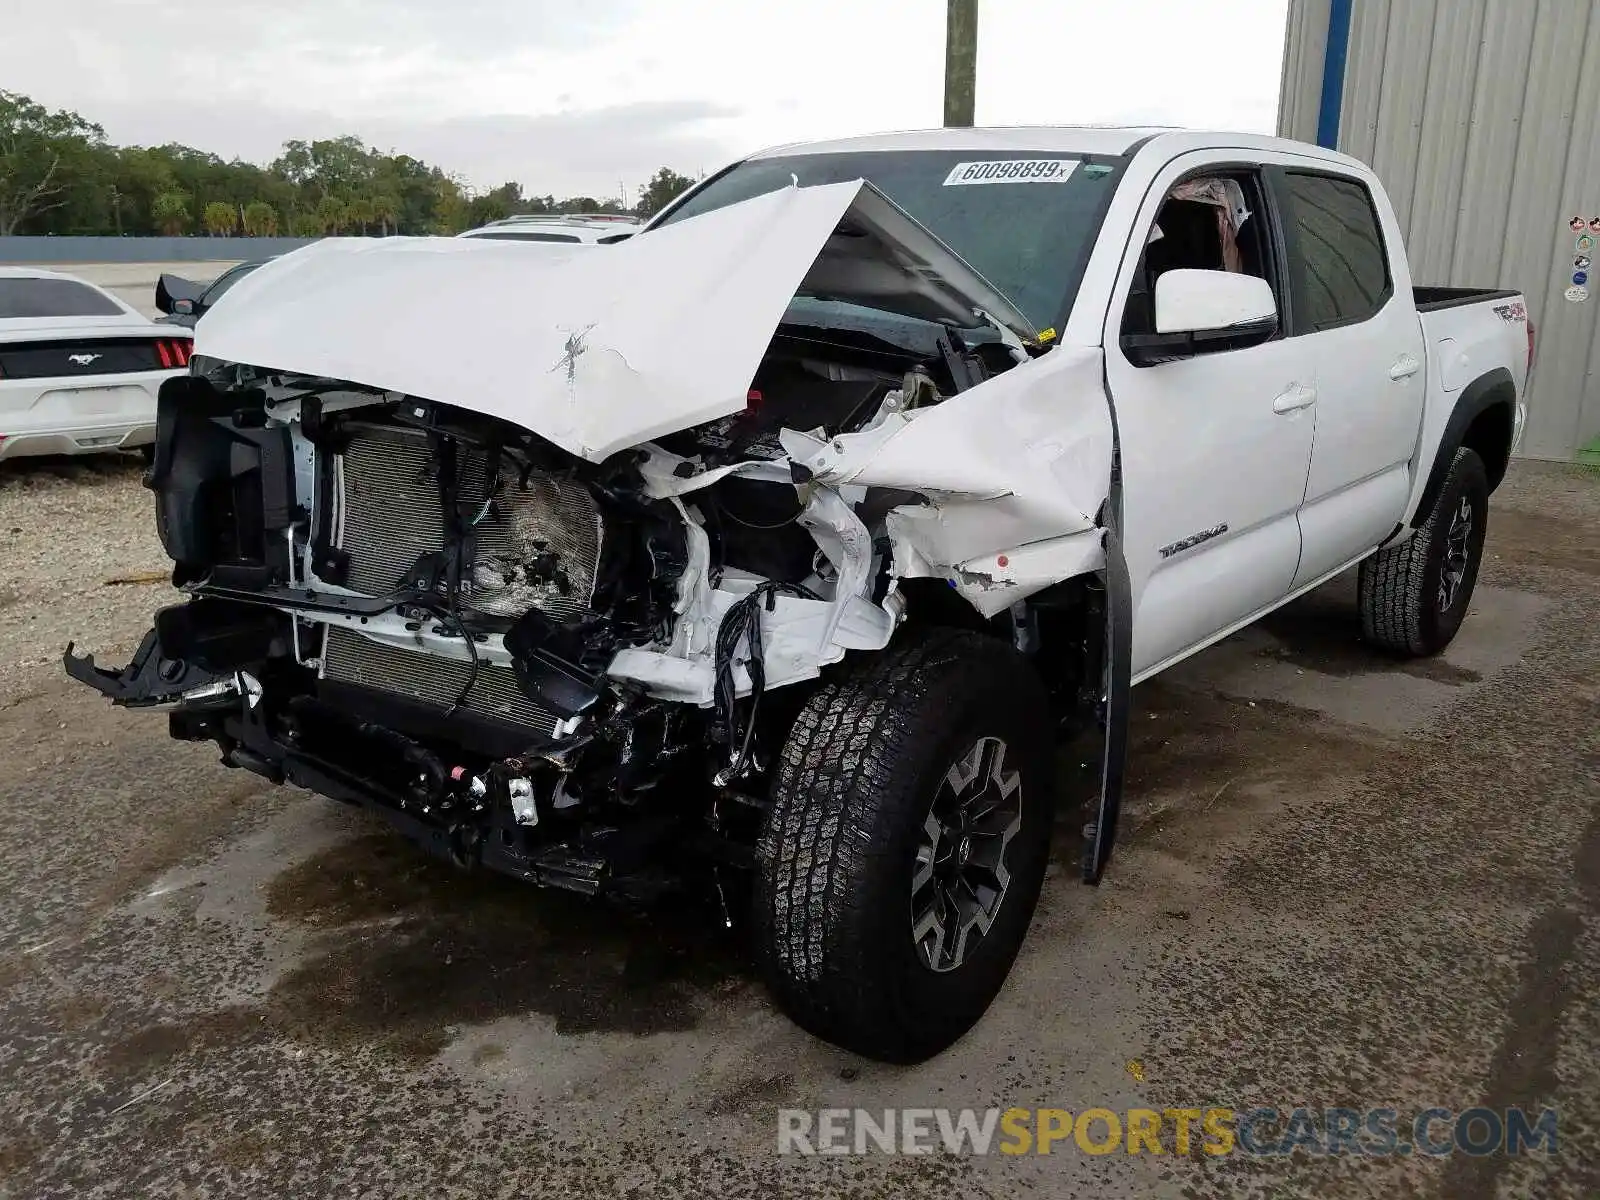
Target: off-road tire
<point x="1399" y="587"/>
<point x="857" y="777"/>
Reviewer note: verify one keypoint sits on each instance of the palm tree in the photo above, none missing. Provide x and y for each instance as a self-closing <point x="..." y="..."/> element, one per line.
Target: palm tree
<point x="331" y="214"/>
<point x="385" y="211"/>
<point x="260" y="219"/>
<point x="171" y="212"/>
<point x="361" y="212"/>
<point x="218" y="218"/>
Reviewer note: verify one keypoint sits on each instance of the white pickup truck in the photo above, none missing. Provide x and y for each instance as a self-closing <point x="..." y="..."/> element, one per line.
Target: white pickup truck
<point x="773" y="547"/>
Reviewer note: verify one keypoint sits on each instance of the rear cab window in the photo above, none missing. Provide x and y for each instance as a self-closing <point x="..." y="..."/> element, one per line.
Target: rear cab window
<point x="1338" y="263"/>
<point x="37" y="296"/>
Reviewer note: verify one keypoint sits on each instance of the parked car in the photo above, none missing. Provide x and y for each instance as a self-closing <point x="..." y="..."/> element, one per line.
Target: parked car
<point x="780" y="542"/>
<point x="183" y="301"/>
<point x="590" y="229"/>
<point x="79" y="368"/>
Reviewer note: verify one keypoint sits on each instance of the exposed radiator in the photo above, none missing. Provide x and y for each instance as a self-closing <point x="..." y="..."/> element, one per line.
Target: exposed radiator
<point x="538" y="547"/>
<point x="430" y="678"/>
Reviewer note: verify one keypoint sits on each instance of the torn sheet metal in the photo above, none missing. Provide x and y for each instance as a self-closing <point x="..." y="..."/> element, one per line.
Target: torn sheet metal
<point x="594" y="351"/>
<point x="1021" y="458"/>
<point x="799" y="636"/>
<point x="993" y="582"/>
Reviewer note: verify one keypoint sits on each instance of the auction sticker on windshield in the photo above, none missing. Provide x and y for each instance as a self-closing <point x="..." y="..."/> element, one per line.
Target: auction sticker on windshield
<point x="1012" y="170"/>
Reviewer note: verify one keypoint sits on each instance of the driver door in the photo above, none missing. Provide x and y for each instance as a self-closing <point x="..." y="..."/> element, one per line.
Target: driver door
<point x="1215" y="447"/>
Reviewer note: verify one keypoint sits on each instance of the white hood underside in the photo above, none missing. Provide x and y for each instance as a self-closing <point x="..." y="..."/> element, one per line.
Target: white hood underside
<point x="599" y="349"/>
<point x="593" y="348"/>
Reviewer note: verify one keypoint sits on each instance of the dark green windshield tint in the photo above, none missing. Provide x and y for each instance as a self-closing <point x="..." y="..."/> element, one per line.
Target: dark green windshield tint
<point x="1027" y="231"/>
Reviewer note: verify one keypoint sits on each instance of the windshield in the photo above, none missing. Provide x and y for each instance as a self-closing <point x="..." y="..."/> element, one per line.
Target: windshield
<point x="1024" y="220"/>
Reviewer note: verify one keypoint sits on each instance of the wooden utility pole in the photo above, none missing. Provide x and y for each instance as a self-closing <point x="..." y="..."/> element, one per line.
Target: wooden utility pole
<point x="960" y="61"/>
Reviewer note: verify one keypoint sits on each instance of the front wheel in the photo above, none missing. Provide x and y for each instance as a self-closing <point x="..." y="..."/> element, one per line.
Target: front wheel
<point x="907" y="841"/>
<point x="1414" y="596"/>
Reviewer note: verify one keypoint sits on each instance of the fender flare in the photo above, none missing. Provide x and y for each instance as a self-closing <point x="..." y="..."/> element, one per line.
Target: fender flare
<point x="1492" y="388"/>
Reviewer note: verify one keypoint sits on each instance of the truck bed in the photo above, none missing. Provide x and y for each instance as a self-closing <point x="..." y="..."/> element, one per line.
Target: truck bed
<point x="1475" y="338"/>
<point x="1432" y="299"/>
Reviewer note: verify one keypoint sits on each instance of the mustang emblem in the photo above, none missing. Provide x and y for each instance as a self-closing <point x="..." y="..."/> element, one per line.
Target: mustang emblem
<point x="81" y="360"/>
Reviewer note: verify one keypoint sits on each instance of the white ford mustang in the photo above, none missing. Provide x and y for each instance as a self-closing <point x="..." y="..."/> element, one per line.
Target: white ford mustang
<point x="79" y="368"/>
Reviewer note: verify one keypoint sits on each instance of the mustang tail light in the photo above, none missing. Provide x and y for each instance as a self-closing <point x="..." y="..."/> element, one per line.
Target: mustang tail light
<point x="174" y="352"/>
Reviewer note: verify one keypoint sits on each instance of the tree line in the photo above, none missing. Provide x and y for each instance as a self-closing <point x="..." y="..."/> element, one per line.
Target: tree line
<point x="59" y="175"/>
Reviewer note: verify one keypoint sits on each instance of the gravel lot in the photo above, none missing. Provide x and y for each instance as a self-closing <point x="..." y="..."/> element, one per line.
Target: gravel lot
<point x="1345" y="882"/>
<point x="78" y="536"/>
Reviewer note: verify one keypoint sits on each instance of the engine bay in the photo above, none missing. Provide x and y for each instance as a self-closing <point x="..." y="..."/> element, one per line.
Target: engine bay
<point x="504" y="647"/>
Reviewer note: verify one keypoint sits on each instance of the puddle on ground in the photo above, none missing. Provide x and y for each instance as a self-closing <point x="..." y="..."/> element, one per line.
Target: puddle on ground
<point x="1318" y="634"/>
<point x="1203" y="757"/>
<point x="467" y="948"/>
<point x="175" y="833"/>
<point x="246" y="1150"/>
<point x="18" y="1153"/>
<point x="77" y="1012"/>
<point x="380" y="875"/>
<point x="1200" y="755"/>
<point x="154" y="1047"/>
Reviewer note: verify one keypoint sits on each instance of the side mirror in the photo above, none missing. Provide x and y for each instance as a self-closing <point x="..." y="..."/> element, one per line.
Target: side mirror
<point x="182" y="308"/>
<point x="1205" y="310"/>
<point x="172" y="289"/>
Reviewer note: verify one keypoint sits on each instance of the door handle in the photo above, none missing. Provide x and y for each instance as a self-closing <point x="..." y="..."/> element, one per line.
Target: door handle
<point x="1297" y="397"/>
<point x="1404" y="367"/>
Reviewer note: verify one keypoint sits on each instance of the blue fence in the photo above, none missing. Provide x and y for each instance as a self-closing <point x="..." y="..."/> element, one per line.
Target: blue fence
<point x="143" y="249"/>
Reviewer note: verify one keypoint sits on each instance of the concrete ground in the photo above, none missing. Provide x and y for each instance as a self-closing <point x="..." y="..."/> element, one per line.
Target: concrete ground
<point x="1345" y="881"/>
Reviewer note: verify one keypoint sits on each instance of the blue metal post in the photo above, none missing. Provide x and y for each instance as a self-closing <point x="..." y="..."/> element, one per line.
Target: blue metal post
<point x="1333" y="60"/>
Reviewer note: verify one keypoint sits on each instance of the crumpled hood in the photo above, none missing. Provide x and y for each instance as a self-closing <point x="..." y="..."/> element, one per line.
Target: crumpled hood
<point x="593" y="348"/>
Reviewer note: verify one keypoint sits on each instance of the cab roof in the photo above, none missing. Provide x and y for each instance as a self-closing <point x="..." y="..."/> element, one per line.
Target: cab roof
<point x="1077" y="139"/>
<point x="1108" y="140"/>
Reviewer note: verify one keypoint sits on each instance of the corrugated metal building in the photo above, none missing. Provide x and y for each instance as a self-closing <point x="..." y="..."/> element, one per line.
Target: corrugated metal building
<point x="1482" y="118"/>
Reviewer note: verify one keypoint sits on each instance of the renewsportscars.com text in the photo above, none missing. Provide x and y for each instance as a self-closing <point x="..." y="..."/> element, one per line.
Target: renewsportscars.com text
<point x="1176" y="1131"/>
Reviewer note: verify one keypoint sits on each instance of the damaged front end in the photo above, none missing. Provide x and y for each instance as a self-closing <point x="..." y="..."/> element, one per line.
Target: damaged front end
<point x="556" y="620"/>
<point x="417" y="608"/>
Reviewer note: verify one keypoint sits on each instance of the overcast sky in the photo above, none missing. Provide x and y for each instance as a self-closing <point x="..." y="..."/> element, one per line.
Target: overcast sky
<point x="579" y="96"/>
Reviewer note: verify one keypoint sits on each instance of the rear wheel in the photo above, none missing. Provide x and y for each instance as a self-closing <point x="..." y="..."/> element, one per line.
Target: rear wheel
<point x="1414" y="596"/>
<point x="903" y="854"/>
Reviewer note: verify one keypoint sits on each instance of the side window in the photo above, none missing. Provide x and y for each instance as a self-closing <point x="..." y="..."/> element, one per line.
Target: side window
<point x="225" y="281"/>
<point x="1210" y="222"/>
<point x="1337" y="261"/>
